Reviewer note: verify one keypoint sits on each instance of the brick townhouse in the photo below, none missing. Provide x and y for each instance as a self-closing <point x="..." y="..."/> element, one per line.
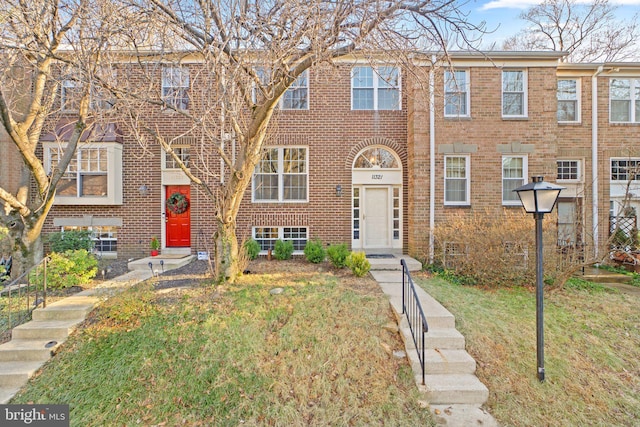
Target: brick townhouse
<point x="372" y="156"/>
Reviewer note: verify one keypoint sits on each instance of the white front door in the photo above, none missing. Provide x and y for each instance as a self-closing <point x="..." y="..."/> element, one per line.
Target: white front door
<point x="376" y="218"/>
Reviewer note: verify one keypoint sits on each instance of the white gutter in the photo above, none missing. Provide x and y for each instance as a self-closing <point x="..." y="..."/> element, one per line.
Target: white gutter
<point x="432" y="161"/>
<point x="594" y="157"/>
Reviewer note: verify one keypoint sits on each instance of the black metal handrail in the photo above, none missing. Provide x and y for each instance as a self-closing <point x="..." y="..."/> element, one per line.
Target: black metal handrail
<point x="412" y="308"/>
<point x="19" y="298"/>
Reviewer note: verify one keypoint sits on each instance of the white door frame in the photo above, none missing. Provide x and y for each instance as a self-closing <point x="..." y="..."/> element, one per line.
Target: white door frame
<point x="363" y="179"/>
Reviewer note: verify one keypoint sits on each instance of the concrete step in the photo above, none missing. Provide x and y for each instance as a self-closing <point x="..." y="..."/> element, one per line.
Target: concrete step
<point x="7" y="393"/>
<point x="15" y="374"/>
<point x="443" y="362"/>
<point x="27" y="350"/>
<point x="393" y="264"/>
<point x="45" y="329"/>
<point x="442" y="339"/>
<point x="71" y="308"/>
<point x="453" y="389"/>
<point x="169" y="262"/>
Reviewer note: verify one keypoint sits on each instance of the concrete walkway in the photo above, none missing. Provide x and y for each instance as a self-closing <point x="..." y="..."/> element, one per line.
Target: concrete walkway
<point x="33" y="343"/>
<point x="453" y="392"/>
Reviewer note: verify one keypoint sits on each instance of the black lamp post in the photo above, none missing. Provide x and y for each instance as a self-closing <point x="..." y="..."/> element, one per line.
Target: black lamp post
<point x="539" y="197"/>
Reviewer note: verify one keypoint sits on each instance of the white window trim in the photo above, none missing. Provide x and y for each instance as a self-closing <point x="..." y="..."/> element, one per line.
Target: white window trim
<point x="579" y="170"/>
<point x="525" y="174"/>
<point x="67" y="85"/>
<point x="114" y="174"/>
<point x="280" y="235"/>
<point x="376" y="87"/>
<point x="187" y="88"/>
<point x="633" y="82"/>
<point x="578" y="100"/>
<point x="525" y="98"/>
<point x="619" y="181"/>
<point x="467" y="200"/>
<point x="281" y="179"/>
<point x="467" y="84"/>
<point x="305" y="73"/>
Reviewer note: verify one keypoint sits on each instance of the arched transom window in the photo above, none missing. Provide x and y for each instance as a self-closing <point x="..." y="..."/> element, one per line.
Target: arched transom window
<point x="376" y="158"/>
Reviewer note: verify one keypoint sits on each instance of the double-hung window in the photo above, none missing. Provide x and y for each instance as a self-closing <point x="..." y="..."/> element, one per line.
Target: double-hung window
<point x="297" y="95"/>
<point x="281" y="176"/>
<point x="514" y="93"/>
<point x="514" y="171"/>
<point x="93" y="176"/>
<point x="70" y="95"/>
<point x="568" y="100"/>
<point x="624" y="98"/>
<point x="175" y="87"/>
<point x="456" y="93"/>
<point x="456" y="180"/>
<point x="375" y="88"/>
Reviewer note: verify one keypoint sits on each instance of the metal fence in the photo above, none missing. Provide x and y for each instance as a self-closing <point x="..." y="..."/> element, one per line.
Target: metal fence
<point x="412" y="308"/>
<point x="20" y="296"/>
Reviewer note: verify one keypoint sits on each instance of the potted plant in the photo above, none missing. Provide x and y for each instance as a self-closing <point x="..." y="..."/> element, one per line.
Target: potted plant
<point x="155" y="246"/>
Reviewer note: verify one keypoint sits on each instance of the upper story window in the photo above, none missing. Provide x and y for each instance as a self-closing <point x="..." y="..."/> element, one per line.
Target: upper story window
<point x="514" y="171"/>
<point x="94" y="175"/>
<point x="70" y="95"/>
<point x="456" y="93"/>
<point x="624" y="98"/>
<point x="568" y="100"/>
<point x="456" y="180"/>
<point x="297" y="96"/>
<point x="182" y="152"/>
<point x="375" y="88"/>
<point x="514" y="93"/>
<point x="175" y="87"/>
<point x="625" y="169"/>
<point x="281" y="176"/>
<point x="568" y="170"/>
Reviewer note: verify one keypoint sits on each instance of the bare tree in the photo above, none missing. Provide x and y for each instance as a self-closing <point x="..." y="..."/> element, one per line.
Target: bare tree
<point x="256" y="50"/>
<point x="588" y="32"/>
<point x="41" y="41"/>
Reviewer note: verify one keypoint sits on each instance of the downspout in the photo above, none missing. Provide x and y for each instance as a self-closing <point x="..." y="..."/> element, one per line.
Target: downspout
<point x="594" y="158"/>
<point x="432" y="161"/>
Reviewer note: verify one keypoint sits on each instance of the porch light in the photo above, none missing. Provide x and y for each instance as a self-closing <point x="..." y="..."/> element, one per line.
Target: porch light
<point x="144" y="190"/>
<point x="539" y="197"/>
<point x="338" y="190"/>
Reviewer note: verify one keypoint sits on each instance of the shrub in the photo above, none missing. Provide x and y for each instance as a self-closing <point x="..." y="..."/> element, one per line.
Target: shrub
<point x="252" y="248"/>
<point x="67" y="269"/>
<point x="338" y="254"/>
<point x="358" y="263"/>
<point x="70" y="241"/>
<point x="314" y="252"/>
<point x="283" y="249"/>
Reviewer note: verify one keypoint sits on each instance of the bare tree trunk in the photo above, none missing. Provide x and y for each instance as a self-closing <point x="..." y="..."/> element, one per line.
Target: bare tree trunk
<point x="226" y="257"/>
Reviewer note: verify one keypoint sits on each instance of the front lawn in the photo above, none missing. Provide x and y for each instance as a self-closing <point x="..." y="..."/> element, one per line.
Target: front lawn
<point x="319" y="353"/>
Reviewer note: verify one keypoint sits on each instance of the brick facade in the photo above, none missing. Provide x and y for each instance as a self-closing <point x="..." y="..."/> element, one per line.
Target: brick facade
<point x="334" y="134"/>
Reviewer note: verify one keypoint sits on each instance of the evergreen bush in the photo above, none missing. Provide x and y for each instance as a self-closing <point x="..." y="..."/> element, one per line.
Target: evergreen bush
<point x="314" y="252"/>
<point x="66" y="269"/>
<point x="283" y="249"/>
<point x="358" y="263"/>
<point x="70" y="241"/>
<point x="252" y="248"/>
<point x="338" y="254"/>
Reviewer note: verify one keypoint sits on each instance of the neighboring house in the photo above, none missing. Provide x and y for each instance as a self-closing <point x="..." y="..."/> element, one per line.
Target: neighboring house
<point x="366" y="155"/>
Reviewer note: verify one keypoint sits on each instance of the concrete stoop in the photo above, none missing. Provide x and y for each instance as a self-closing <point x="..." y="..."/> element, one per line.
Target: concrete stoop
<point x="33" y="343"/>
<point x="453" y="392"/>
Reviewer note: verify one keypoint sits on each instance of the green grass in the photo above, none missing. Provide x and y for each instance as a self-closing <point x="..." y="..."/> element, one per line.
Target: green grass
<point x="317" y="354"/>
<point x="592" y="352"/>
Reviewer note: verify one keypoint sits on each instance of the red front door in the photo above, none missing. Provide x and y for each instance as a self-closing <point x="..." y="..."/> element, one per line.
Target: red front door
<point x="178" y="224"/>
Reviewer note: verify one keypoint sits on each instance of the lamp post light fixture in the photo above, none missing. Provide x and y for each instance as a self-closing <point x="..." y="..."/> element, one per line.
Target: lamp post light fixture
<point x="539" y="197"/>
